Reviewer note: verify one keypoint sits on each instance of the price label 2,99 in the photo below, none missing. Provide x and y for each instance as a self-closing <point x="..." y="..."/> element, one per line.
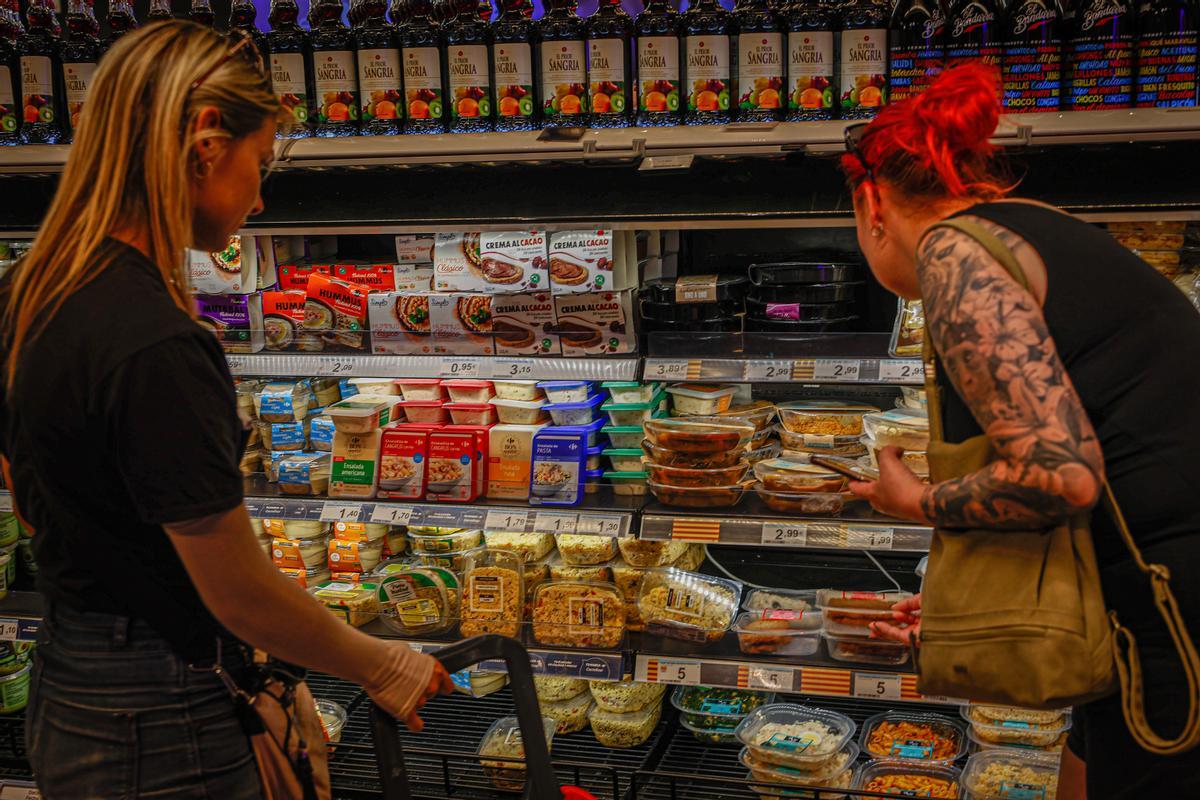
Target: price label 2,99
<point x="836" y="371"/>
<point x="756" y="371"/>
<point x="907" y="371"/>
<point x="785" y="535"/>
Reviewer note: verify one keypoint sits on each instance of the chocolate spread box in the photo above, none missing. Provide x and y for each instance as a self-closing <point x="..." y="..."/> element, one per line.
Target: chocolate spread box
<point x="592" y="260"/>
<point x="505" y="262"/>
<point x="600" y="323"/>
<point x="523" y="325"/>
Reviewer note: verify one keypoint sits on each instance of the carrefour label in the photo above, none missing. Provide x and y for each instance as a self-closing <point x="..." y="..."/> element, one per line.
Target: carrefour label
<point x="606" y="73"/>
<point x="513" y="65"/>
<point x="708" y="67"/>
<point x="422" y="82"/>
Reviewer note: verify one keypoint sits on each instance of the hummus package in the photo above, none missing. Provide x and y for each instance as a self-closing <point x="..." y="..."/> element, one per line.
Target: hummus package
<point x="336" y="310"/>
<point x="233" y="270"/>
<point x="461" y="323"/>
<point x="403" y="451"/>
<point x="503" y="262"/>
<point x="523" y="325"/>
<point x="414" y="278"/>
<point x="354" y="471"/>
<point x="235" y="319"/>
<point x="399" y="323"/>
<point x="294" y="275"/>
<point x="451" y="472"/>
<point x="588" y="261"/>
<point x="595" y="324"/>
<point x="376" y="277"/>
<point x="510" y="460"/>
<point x="283" y="322"/>
<point x="414" y="248"/>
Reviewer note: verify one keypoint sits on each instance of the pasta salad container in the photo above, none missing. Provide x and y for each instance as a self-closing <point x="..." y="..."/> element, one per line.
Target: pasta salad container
<point x="908" y="736"/>
<point x="795" y="736"/>
<point x="688" y="605"/>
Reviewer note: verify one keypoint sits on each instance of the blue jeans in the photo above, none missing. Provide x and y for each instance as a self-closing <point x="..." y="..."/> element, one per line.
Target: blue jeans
<point x="115" y="714"/>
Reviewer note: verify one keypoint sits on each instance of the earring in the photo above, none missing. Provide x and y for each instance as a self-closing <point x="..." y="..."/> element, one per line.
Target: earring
<point x="203" y="169"/>
<point x="877" y="231"/>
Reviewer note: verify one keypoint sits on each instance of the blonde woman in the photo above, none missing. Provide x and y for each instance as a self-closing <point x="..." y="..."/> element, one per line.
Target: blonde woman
<point x="120" y="423"/>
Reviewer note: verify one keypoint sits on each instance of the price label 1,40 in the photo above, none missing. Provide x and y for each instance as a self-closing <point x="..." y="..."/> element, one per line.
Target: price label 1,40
<point x="774" y="679"/>
<point x="459" y="368"/>
<point x="599" y="525"/>
<point x="667" y="370"/>
<point x="555" y="523"/>
<point x="392" y="515"/>
<point x="876" y="685"/>
<point x="685" y="673"/>
<point x="870" y="538"/>
<point x="505" y="520"/>
<point x="785" y="535"/>
<point x="513" y="368"/>
<point x="340" y="512"/>
<point x="756" y="371"/>
<point x="895" y="370"/>
<point x="836" y="371"/>
<point x="334" y="367"/>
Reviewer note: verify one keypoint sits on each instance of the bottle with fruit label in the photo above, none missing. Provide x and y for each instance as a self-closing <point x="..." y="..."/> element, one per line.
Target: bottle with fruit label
<point x="380" y="85"/>
<point x="468" y="67"/>
<point x="513" y="37"/>
<point x="41" y="71"/>
<point x="201" y="13"/>
<point x="659" y="79"/>
<point x="862" y="72"/>
<point x="290" y="64"/>
<point x="80" y="52"/>
<point x="1166" y="54"/>
<point x="610" y="66"/>
<point x="243" y="16"/>
<point x="10" y="71"/>
<point x="916" y="47"/>
<point x="1100" y="56"/>
<point x="707" y="64"/>
<point x="972" y="32"/>
<point x="159" y="10"/>
<point x="120" y="21"/>
<point x="335" y="71"/>
<point x="761" y="66"/>
<point x="421" y="45"/>
<point x="811" y="89"/>
<point x="1031" y="63"/>
<point x="563" y="64"/>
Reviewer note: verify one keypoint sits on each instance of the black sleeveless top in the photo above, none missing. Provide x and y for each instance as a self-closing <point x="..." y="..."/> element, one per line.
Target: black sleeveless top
<point x="1130" y="341"/>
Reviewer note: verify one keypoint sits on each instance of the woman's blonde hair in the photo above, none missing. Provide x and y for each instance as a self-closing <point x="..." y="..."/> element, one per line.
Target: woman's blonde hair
<point x="131" y="163"/>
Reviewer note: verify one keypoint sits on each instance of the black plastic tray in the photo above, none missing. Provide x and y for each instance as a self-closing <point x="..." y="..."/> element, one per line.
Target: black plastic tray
<point x="762" y="325"/>
<point x="803" y="311"/>
<point x="691" y="312"/>
<point x="662" y="290"/>
<point x="791" y="273"/>
<point x="806" y="293"/>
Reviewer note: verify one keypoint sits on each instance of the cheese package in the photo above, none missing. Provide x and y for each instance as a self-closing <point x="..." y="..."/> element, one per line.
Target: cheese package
<point x="301" y="473"/>
<point x="504" y="262"/>
<point x="336" y="310"/>
<point x="233" y="270"/>
<point x="399" y="323"/>
<point x="355" y="468"/>
<point x="403" y="452"/>
<point x="510" y="460"/>
<point x="376" y="277"/>
<point x="235" y="319"/>
<point x="348" y="556"/>
<point x="354" y="603"/>
<point x="595" y="324"/>
<point x="461" y="323"/>
<point x="523" y="325"/>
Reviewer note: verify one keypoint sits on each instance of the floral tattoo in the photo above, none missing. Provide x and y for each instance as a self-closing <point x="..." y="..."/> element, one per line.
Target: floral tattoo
<point x="998" y="353"/>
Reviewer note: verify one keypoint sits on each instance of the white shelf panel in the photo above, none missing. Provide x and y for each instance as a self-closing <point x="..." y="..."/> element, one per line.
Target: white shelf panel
<point x="817" y="533"/>
<point x="893" y="371"/>
<point x="384" y="366"/>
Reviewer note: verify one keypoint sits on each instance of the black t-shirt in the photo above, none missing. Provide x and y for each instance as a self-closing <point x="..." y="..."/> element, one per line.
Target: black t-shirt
<point x="123" y="418"/>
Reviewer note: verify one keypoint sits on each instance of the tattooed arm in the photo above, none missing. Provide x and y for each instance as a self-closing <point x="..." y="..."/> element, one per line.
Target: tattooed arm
<point x="999" y="355"/>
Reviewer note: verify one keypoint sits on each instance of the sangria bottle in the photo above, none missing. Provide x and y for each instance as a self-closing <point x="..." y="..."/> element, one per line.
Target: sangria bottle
<point x="862" y="72"/>
<point x="610" y="66"/>
<point x="916" y="47"/>
<point x="467" y="65"/>
<point x="659" y="80"/>
<point x="972" y="32"/>
<point x="380" y="86"/>
<point x="120" y="21"/>
<point x="513" y="40"/>
<point x="159" y="10"/>
<point x="41" y="92"/>
<point x="243" y="16"/>
<point x="485" y="10"/>
<point x="80" y="52"/>
<point x="761" y="68"/>
<point x="1100" y="56"/>
<point x="421" y="45"/>
<point x="1166" y="54"/>
<point x="707" y="64"/>
<point x="563" y="66"/>
<point x="291" y="76"/>
<point x="201" y="13"/>
<point x="10" y="71"/>
<point x="335" y="71"/>
<point x="1031" y="65"/>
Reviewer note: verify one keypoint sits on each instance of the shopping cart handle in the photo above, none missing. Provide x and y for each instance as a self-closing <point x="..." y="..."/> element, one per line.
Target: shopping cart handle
<point x="541" y="783"/>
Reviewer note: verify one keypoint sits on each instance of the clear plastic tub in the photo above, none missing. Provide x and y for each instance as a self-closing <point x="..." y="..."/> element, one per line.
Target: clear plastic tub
<point x="916" y="460"/>
<point x="798" y="636"/>
<point x="360" y="415"/>
<point x="759" y="413"/>
<point x="688" y="477"/>
<point x="909" y="736"/>
<point x="698" y="497"/>
<point x="1017" y="717"/>
<point x="590" y="430"/>
<point x="795" y="736"/>
<point x="799" y="445"/>
<point x="851" y="613"/>
<point x="313" y="552"/>
<point x="574" y="413"/>
<point x="469" y="391"/>
<point x="792" y="600"/>
<point x="551" y="688"/>
<point x="624" y="459"/>
<point x="817" y="504"/>
<point x="373" y="386"/>
<point x="789" y="475"/>
<point x="631" y="391"/>
<point x="567" y="391"/>
<point x="709" y="735"/>
<point x="673" y="458"/>
<point x="574" y="614"/>
<point x="628" y="414"/>
<point x="861" y="650"/>
<point x="708" y="708"/>
<point x="910" y="779"/>
<point x="520" y="412"/>
<point x="333" y="719"/>
<point x="585" y="549"/>
<point x="417" y="600"/>
<point x="626" y="483"/>
<point x="688" y="605"/>
<point x="425" y="412"/>
<point x="528" y="547"/>
<point x="1005" y="774"/>
<point x="773" y="773"/>
<point x="421" y="389"/>
<point x="450" y="541"/>
<point x="353" y="604"/>
<point x="767" y="451"/>
<point x="472" y="413"/>
<point x="1015" y="732"/>
<point x="697" y="438"/>
<point x="624" y="437"/>
<point x="517" y="390"/>
<point x="503" y="740"/>
<point x="560" y="570"/>
<point x="699" y="399"/>
<point x="493" y="595"/>
<point x="569" y="715"/>
<point x="649" y="552"/>
<point x="455" y="562"/>
<point x="903" y="427"/>
<point x="842" y="780"/>
<point x="624" y="697"/>
<point x="830" y="418"/>
<point x="624" y="730"/>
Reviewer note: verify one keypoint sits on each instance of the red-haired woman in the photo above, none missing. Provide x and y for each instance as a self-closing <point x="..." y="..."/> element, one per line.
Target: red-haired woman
<point x="1090" y="372"/>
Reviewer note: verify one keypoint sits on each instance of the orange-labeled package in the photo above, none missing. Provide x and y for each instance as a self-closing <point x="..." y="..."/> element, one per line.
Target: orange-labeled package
<point x="403" y="455"/>
<point x="336" y="310"/>
<point x="450" y="473"/>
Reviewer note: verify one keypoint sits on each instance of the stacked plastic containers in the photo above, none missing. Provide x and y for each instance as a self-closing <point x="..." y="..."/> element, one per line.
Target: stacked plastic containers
<point x="713" y="714"/>
<point x="695" y="464"/>
<point x="793" y="744"/>
<point x="912" y="750"/>
<point x="566" y="453"/>
<point x="630" y="404"/>
<point x="907" y="428"/>
<point x="847" y="619"/>
<point x="799" y="298"/>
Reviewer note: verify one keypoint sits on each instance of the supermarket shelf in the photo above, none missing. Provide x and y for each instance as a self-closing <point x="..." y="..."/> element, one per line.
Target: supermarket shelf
<point x="385" y="366"/>
<point x="892" y="371"/>
<point x="599" y="513"/>
<point x="20" y="616"/>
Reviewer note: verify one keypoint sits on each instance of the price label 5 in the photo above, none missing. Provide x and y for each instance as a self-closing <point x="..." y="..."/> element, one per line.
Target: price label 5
<point x="877" y="685"/>
<point x="505" y="520"/>
<point x="836" y="371"/>
<point x="775" y="679"/>
<point x="686" y="673"/>
<point x="340" y="512"/>
<point x="785" y="535"/>
<point x="392" y="515"/>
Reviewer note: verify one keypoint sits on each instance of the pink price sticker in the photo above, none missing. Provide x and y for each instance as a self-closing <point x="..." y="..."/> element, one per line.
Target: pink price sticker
<point x="782" y="613"/>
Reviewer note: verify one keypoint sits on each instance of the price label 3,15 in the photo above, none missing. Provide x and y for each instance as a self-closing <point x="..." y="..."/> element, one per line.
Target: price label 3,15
<point x="876" y="685"/>
<point x="513" y="368"/>
<point x="784" y="534"/>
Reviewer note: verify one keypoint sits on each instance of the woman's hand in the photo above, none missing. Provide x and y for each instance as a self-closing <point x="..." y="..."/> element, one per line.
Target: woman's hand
<point x="439" y="683"/>
<point x="908" y="614"/>
<point x="898" y="491"/>
<point x="404" y="681"/>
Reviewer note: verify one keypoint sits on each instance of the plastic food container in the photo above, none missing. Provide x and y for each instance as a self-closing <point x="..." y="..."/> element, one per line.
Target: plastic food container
<point x="551" y="689"/>
<point x="810" y="503"/>
<point x="581" y="412"/>
<point x="821" y="443"/>
<point x="628" y="414"/>
<point x="698" y="497"/>
<point x="451" y="541"/>
<point x="421" y="389"/>
<point x="902" y="427"/>
<point x="699" y="399"/>
<point x="425" y="412"/>
<point x="493" y="595"/>
<point x="916" y="460"/>
<point x="360" y="531"/>
<point x="763" y="635"/>
<point x="626" y="483"/>
<point x="360" y="414"/>
<point x="649" y="552"/>
<point x="517" y="390"/>
<point x="1010" y="775"/>
<point x="566" y="391"/>
<point x="469" y="391"/>
<point x="795" y="736"/>
<point x="908" y="736"/>
<point x="295" y="528"/>
<point x="573" y="614"/>
<point x="697" y="438"/>
<point x="789" y="475"/>
<point x="907" y="778"/>
<point x="1015" y="732"/>
<point x="303" y="473"/>
<point x="999" y="715"/>
<point x="528" y="547"/>
<point x="587" y="573"/>
<point x="841" y="764"/>
<point x="710" y="735"/>
<point x="313" y="552"/>
<point x="708" y="708"/>
<point x="624" y="730"/>
<point x="688" y="605"/>
<point x="352" y="603"/>
<point x="591" y="430"/>
<point x="759" y="600"/>
<point x="759" y="413"/>
<point x="851" y="613"/>
<point x="471" y="413"/>
<point x="584" y="549"/>
<point x="623" y="697"/>
<point x="625" y="459"/>
<point x="830" y="418"/>
<point x="503" y="740"/>
<point x="674" y="458"/>
<point x="569" y="715"/>
<point x="418" y="600"/>
<point x="333" y="719"/>
<point x="860" y="650"/>
<point x="767" y="451"/>
<point x="624" y="437"/>
<point x="913" y="397"/>
<point x="631" y="391"/>
<point x="373" y="386"/>
<point x="455" y="562"/>
<point x="688" y="477"/>
<point x="520" y="412"/>
<point x="14" y="690"/>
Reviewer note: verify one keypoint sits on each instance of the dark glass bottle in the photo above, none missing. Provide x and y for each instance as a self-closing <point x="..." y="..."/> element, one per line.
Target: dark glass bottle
<point x="1031" y="60"/>
<point x="467" y="65"/>
<point x="80" y="52"/>
<point x="916" y="47"/>
<point x="335" y="71"/>
<point x="760" y="62"/>
<point x="421" y="45"/>
<point x="380" y="87"/>
<point x="1166" y="54"/>
<point x="610" y="66"/>
<point x="973" y="32"/>
<point x="243" y="16"/>
<point x="201" y="13"/>
<point x="41" y="68"/>
<point x="10" y="71"/>
<point x="659" y="79"/>
<point x="291" y="70"/>
<point x="1100" y="56"/>
<point x="354" y="15"/>
<point x="563" y="65"/>
<point x="484" y="8"/>
<point x="159" y="11"/>
<point x="707" y="64"/>
<point x="120" y="21"/>
<point x="513" y="39"/>
<point x="811" y="61"/>
<point x="862" y="50"/>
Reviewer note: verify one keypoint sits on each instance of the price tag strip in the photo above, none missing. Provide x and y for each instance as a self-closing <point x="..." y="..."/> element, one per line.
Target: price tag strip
<point x="870" y="538"/>
<point x="341" y="512"/>
<point x="600" y="525"/>
<point x="547" y="522"/>
<point x="877" y="686"/>
<point x="506" y="520"/>
<point x="392" y="515"/>
<point x="681" y="672"/>
<point x="771" y="679"/>
<point x="659" y="369"/>
<point x="334" y="367"/>
<point x="513" y="368"/>
<point x="901" y="371"/>
<point x="765" y="371"/>
<point x="784" y="534"/>
<point x="459" y="368"/>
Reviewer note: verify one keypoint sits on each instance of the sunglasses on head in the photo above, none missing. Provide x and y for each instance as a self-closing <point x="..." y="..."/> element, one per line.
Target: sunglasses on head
<point x="243" y="44"/>
<point x="853" y="136"/>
